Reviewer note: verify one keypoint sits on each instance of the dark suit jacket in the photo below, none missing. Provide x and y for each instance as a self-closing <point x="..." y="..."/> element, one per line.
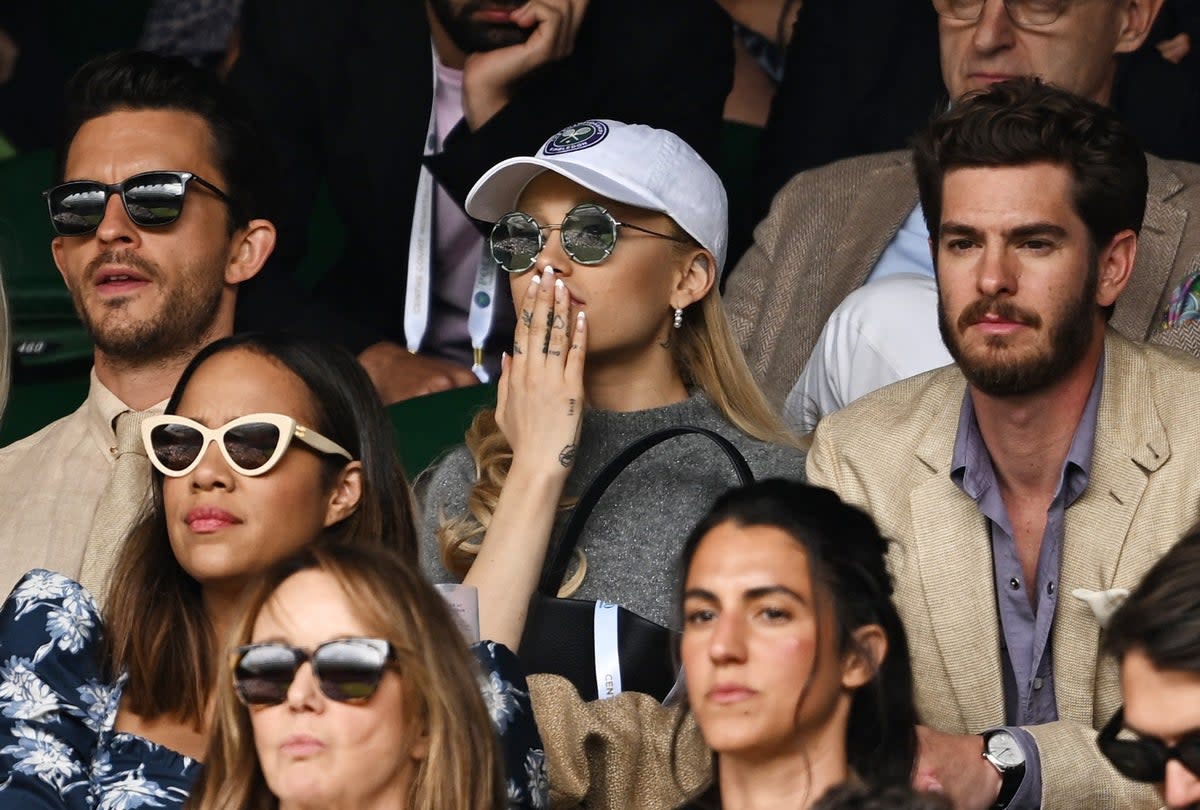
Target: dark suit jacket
<point x="861" y="76"/>
<point x="345" y="92"/>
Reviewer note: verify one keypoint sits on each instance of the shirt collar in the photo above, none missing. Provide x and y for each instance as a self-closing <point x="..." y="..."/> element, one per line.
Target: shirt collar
<point x="102" y="409"/>
<point x="971" y="464"/>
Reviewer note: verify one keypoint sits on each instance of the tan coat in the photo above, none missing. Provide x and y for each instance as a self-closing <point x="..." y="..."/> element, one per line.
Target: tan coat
<point x="829" y="226"/>
<point x="1143" y="493"/>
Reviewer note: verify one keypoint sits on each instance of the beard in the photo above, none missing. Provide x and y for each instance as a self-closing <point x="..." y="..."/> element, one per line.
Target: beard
<point x="184" y="319"/>
<point x="473" y="37"/>
<point x="998" y="370"/>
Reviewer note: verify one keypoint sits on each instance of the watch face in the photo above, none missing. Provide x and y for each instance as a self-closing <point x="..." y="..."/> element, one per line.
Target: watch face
<point x="1004" y="749"/>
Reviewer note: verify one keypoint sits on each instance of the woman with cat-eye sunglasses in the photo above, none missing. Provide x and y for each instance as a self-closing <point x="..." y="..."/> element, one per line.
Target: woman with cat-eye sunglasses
<point x="269" y="443"/>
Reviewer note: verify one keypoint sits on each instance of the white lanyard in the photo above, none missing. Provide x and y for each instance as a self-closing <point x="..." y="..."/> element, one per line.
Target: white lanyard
<point x="418" y="290"/>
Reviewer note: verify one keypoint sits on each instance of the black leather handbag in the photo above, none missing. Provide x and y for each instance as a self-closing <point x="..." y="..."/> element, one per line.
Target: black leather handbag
<point x="568" y="637"/>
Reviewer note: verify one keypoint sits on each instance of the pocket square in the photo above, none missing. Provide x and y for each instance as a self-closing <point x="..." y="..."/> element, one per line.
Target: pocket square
<point x="1103" y="603"/>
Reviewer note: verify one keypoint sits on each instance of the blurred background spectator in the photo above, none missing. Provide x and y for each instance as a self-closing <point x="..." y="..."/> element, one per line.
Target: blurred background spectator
<point x="1158" y="88"/>
<point x="31" y="78"/>
<point x="205" y="32"/>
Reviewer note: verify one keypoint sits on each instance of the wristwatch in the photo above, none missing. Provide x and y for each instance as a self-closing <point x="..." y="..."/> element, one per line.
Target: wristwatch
<point x="1000" y="748"/>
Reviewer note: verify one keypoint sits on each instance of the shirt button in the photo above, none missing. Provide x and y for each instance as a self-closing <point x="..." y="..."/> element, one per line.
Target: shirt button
<point x="1037" y="683"/>
<point x="1050" y="589"/>
<point x="1014" y="584"/>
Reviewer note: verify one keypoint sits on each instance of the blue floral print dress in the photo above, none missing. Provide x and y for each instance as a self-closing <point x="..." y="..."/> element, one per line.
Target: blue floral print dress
<point x="58" y="747"/>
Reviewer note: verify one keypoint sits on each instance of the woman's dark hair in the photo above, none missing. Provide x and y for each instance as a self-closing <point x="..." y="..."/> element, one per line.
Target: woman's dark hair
<point x="1162" y="617"/>
<point x="846" y="560"/>
<point x="139" y="80"/>
<point x="157" y="630"/>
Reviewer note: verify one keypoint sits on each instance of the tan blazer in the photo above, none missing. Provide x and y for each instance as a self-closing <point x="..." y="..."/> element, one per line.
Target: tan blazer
<point x="829" y="226"/>
<point x="1144" y="492"/>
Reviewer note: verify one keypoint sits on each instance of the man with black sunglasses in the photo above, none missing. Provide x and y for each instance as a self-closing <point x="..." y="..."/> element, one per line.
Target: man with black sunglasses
<point x="1156" y="637"/>
<point x="156" y="216"/>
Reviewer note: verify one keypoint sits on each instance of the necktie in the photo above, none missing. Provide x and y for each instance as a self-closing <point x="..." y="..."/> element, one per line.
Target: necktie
<point x="120" y="504"/>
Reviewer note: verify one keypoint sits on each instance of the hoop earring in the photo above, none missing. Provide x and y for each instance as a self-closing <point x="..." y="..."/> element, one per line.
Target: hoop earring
<point x="678" y="317"/>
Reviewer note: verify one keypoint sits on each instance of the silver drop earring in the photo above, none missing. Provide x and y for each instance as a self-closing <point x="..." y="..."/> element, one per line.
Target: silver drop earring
<point x="678" y="317"/>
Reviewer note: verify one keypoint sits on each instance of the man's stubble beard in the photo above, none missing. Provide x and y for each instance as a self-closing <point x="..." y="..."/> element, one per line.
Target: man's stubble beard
<point x="472" y="37"/>
<point x="183" y="321"/>
<point x="1070" y="332"/>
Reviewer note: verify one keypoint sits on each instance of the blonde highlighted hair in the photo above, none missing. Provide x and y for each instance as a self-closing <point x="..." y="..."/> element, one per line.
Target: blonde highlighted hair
<point x="708" y="358"/>
<point x="463" y="766"/>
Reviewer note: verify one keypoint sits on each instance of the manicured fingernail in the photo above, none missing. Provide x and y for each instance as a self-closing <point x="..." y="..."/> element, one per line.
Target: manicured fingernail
<point x="536" y="279"/>
<point x="558" y="283"/>
<point x="548" y="274"/>
<point x="581" y="316"/>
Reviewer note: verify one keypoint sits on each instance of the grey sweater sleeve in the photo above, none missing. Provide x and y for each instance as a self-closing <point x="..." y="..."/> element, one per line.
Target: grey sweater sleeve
<point x="441" y="492"/>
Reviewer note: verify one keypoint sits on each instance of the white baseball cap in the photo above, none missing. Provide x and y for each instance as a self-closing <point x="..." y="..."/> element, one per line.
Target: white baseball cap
<point x="630" y="163"/>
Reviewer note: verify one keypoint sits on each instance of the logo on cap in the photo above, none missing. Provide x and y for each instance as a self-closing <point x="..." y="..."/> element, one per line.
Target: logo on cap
<point x="576" y="137"/>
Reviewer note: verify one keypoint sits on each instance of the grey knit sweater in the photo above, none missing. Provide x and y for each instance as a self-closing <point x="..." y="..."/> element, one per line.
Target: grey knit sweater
<point x="634" y="535"/>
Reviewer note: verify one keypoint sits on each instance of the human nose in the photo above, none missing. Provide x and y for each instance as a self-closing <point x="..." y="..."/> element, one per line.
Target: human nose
<point x="213" y="472"/>
<point x="553" y="254"/>
<point x="996" y="273"/>
<point x="116" y="226"/>
<point x="304" y="692"/>
<point x="1182" y="787"/>
<point x="728" y="642"/>
<point x="994" y="28"/>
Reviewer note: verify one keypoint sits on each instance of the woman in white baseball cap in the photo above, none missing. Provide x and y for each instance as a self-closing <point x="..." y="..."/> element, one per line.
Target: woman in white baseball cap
<point x="613" y="236"/>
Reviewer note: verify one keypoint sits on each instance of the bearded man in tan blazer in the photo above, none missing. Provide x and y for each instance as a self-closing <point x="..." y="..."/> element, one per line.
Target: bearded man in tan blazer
<point x="1022" y="488"/>
<point x="833" y="229"/>
<point x="1056" y="462"/>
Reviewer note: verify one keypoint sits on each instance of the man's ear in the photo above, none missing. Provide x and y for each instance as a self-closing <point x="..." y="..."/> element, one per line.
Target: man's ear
<point x="696" y="277"/>
<point x="1116" y="266"/>
<point x="56" y="250"/>
<point x="865" y="656"/>
<point x="346" y="495"/>
<point x="1136" y="18"/>
<point x="249" y="249"/>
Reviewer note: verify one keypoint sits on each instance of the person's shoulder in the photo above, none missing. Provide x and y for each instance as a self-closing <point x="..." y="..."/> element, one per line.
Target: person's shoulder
<point x="845" y="178"/>
<point x="47" y="440"/>
<point x="1171" y="376"/>
<point x="48" y="607"/>
<point x="897" y="410"/>
<point x="451" y="467"/>
<point x="441" y="490"/>
<point x="1170" y="177"/>
<point x="766" y="458"/>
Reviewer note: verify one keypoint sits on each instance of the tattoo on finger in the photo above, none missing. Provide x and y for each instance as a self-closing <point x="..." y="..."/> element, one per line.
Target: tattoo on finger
<point x="571" y="403"/>
<point x="527" y="317"/>
<point x="567" y="456"/>
<point x="558" y="323"/>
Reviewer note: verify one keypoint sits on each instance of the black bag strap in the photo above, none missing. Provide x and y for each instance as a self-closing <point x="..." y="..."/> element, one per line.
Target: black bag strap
<point x="560" y="557"/>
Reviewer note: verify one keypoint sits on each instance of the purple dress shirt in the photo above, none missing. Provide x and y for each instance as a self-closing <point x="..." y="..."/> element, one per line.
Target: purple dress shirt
<point x="1025" y="641"/>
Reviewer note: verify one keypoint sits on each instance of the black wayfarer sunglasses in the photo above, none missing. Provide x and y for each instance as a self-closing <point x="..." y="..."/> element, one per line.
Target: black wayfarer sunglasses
<point x="151" y="199"/>
<point x="1145" y="759"/>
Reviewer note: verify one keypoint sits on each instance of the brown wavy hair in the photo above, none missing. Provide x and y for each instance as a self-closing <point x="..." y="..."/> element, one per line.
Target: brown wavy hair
<point x="707" y="357"/>
<point x="156" y="628"/>
<point x="463" y="766"/>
